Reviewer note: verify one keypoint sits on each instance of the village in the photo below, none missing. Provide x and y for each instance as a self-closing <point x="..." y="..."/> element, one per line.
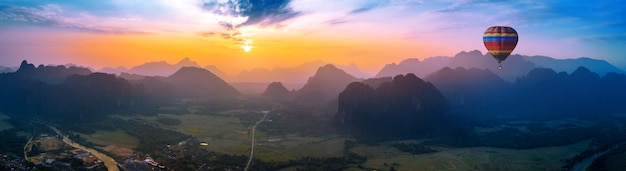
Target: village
<point x="49" y="151"/>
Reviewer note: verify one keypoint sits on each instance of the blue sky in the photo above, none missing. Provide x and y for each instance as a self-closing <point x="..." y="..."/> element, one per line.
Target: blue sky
<point x="370" y="33"/>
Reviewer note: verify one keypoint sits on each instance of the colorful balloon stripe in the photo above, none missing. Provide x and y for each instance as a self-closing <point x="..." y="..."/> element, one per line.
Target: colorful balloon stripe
<point x="500" y="41"/>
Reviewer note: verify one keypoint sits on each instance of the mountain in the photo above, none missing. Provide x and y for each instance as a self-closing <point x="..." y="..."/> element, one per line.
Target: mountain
<point x="218" y="72"/>
<point x="467" y="88"/>
<point x="569" y="65"/>
<point x="116" y="71"/>
<point x="353" y="70"/>
<point x="277" y="91"/>
<point x="513" y="67"/>
<point x="193" y="82"/>
<point x="161" y="68"/>
<point x="4" y="69"/>
<point x="415" y="66"/>
<point x="294" y="75"/>
<point x="49" y="74"/>
<point x="325" y="85"/>
<point x="129" y="76"/>
<point x="375" y="82"/>
<point x="404" y="107"/>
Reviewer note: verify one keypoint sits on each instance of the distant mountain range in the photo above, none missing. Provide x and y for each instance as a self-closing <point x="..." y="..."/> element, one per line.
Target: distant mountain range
<point x="250" y="81"/>
<point x="324" y="86"/>
<point x="296" y="74"/>
<point x="514" y="67"/>
<point x="4" y="69"/>
<point x="401" y="107"/>
<point x="276" y="91"/>
<point x="49" y="74"/>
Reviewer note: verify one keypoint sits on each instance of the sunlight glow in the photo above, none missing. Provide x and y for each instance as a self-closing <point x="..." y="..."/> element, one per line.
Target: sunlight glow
<point x="246" y="38"/>
<point x="247" y="45"/>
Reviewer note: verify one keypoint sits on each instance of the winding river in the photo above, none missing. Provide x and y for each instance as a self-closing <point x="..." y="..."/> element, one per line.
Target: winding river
<point x="108" y="161"/>
<point x="583" y="165"/>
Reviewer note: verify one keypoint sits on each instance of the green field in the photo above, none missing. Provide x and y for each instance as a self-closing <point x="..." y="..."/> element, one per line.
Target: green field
<point x="296" y="147"/>
<point x="475" y="158"/>
<point x="224" y="134"/>
<point x="3" y="124"/>
<point x="118" y="138"/>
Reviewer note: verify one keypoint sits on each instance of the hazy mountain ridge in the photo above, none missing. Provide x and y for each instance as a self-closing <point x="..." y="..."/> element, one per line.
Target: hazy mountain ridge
<point x="405" y="106"/>
<point x="200" y="83"/>
<point x="469" y="87"/>
<point x="515" y="66"/>
<point x="296" y="74"/>
<point x="4" y="69"/>
<point x="276" y="91"/>
<point x="161" y="68"/>
<point x="79" y="95"/>
<point x="49" y="74"/>
<point x="581" y="93"/>
<point x="324" y="86"/>
<point x="70" y="94"/>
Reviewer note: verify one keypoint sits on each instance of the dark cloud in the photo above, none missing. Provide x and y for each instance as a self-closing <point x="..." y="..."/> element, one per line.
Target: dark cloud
<point x="259" y="12"/>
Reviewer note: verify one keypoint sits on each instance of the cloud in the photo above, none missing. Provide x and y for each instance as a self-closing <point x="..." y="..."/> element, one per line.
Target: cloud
<point x="336" y="21"/>
<point x="361" y="10"/>
<point x="52" y="15"/>
<point x="262" y="13"/>
<point x="607" y="38"/>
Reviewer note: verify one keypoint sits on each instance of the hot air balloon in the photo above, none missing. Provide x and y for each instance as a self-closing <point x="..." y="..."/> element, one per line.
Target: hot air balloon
<point x="500" y="42"/>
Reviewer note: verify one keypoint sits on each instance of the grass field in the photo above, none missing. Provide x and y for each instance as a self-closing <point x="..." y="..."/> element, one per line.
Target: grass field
<point x="296" y="147"/>
<point x="224" y="134"/>
<point x="118" y="138"/>
<point x="3" y="124"/>
<point x="475" y="158"/>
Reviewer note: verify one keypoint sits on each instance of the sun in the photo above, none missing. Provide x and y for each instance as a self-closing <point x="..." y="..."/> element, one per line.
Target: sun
<point x="247" y="45"/>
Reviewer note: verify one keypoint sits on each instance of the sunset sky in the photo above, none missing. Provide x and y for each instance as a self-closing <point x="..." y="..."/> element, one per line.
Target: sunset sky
<point x="244" y="34"/>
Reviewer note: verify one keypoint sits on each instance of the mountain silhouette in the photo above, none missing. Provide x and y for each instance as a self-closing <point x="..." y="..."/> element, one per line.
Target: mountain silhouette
<point x="415" y="66"/>
<point x="403" y="107"/>
<point x="200" y="83"/>
<point x="4" y="69"/>
<point x="218" y="72"/>
<point x="116" y="71"/>
<point x="375" y="82"/>
<point x="277" y="91"/>
<point x="161" y="68"/>
<point x="569" y="65"/>
<point x="49" y="74"/>
<point x="469" y="87"/>
<point x="130" y="77"/>
<point x="515" y="66"/>
<point x="327" y="82"/>
<point x="296" y="74"/>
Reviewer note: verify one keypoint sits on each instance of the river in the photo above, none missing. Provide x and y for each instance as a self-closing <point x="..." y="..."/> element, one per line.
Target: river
<point x="108" y="161"/>
<point x="583" y="165"/>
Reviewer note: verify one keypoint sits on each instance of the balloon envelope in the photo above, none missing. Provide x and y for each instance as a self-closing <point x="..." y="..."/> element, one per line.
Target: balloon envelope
<point x="500" y="41"/>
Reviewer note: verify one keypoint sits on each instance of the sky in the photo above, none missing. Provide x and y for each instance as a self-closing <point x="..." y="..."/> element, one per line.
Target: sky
<point x="237" y="35"/>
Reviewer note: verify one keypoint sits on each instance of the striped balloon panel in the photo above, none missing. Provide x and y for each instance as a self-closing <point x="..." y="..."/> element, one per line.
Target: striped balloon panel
<point x="500" y="41"/>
